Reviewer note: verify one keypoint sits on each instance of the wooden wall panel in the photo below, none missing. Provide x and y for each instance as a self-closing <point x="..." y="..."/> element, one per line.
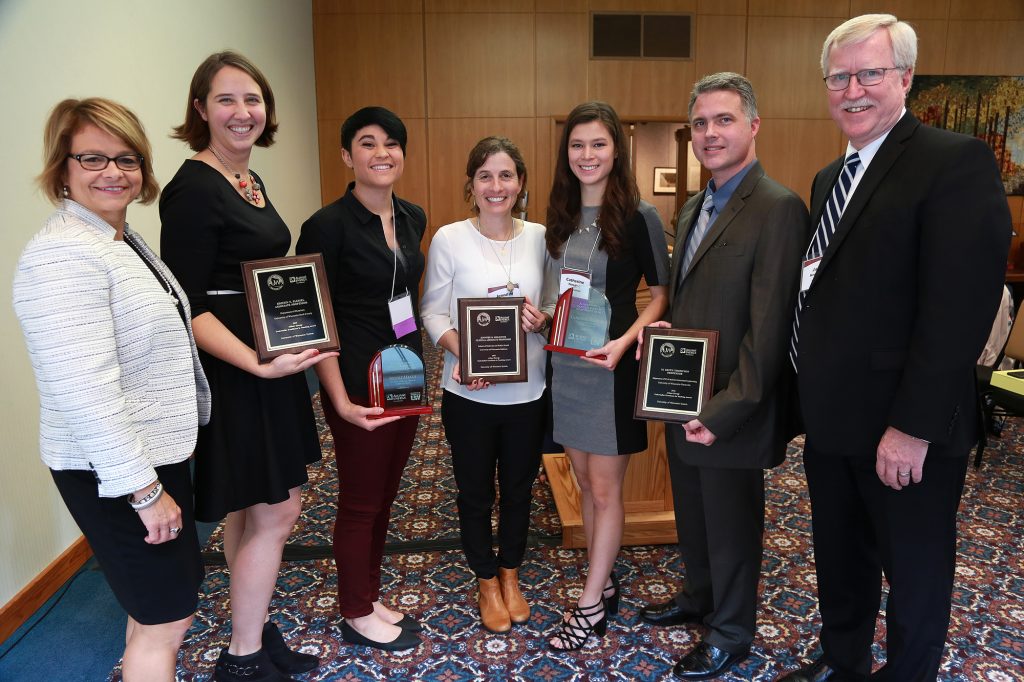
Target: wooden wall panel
<point x="642" y="5"/>
<point x="480" y="65"/>
<point x="475" y="6"/>
<point x="352" y="70"/>
<point x="783" y="63"/>
<point x="988" y="9"/>
<point x="450" y="142"/>
<point x="721" y="44"/>
<point x="654" y="144"/>
<point x="641" y="89"/>
<point x="792" y="151"/>
<point x="931" y="45"/>
<point x="731" y="7"/>
<point x="335" y="175"/>
<point x="799" y="8"/>
<point x="563" y="44"/>
<point x="904" y="9"/>
<point x="543" y="168"/>
<point x="985" y="48"/>
<point x="561" y="6"/>
<point x="366" y="7"/>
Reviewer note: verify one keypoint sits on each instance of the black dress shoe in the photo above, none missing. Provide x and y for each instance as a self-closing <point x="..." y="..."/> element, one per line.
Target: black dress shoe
<point x="405" y="639"/>
<point x="669" y="613"/>
<point x="410" y="624"/>
<point x="818" y="671"/>
<point x="284" y="659"/>
<point x="706" y="661"/>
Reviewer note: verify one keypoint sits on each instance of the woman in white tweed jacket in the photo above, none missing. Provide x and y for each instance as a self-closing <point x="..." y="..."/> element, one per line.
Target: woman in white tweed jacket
<point x="120" y="385"/>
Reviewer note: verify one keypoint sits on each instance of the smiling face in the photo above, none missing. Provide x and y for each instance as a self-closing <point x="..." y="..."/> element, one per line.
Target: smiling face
<point x="723" y="138"/>
<point x="591" y="152"/>
<point x="376" y="159"/>
<point x="106" y="192"/>
<point x="234" y="111"/>
<point x="865" y="113"/>
<point x="496" y="185"/>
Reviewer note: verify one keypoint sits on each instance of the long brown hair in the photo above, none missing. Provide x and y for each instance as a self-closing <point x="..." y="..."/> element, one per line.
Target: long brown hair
<point x="621" y="195"/>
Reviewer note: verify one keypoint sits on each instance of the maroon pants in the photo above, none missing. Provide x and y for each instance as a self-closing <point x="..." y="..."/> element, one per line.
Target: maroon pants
<point x="370" y="465"/>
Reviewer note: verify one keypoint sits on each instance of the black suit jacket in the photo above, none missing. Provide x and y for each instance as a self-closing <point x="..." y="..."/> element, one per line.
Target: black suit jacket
<point x="742" y="282"/>
<point x="905" y="295"/>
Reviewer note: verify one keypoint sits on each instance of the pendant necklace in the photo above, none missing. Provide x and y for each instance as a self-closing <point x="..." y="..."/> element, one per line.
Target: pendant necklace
<point x="249" y="187"/>
<point x="510" y="285"/>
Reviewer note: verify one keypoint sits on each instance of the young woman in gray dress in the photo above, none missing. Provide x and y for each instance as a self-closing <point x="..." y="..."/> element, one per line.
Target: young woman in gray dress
<point x="600" y="230"/>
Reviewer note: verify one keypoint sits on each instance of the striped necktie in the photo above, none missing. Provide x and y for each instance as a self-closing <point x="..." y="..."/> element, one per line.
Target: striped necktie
<point x="696" y="235"/>
<point x="826" y="228"/>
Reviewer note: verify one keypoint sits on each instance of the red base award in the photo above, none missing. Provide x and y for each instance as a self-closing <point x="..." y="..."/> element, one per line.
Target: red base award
<point x="580" y="324"/>
<point x="397" y="382"/>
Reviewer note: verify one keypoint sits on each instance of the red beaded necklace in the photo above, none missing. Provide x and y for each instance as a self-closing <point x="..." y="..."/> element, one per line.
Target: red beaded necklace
<point x="250" y="188"/>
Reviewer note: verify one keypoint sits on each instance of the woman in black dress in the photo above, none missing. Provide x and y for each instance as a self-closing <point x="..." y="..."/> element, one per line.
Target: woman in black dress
<point x="251" y="459"/>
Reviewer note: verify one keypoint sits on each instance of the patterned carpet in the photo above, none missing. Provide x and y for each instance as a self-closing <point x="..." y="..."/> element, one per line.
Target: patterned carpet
<point x="986" y="638"/>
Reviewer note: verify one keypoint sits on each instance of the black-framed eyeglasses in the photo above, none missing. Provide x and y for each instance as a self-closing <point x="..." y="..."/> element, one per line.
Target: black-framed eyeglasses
<point x="98" y="162"/>
<point x="866" y="77"/>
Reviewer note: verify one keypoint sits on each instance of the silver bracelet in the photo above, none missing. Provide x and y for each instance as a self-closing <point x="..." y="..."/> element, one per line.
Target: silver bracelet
<point x="148" y="500"/>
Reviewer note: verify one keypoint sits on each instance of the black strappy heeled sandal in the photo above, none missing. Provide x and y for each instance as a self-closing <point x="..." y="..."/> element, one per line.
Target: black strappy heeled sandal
<point x="610" y="595"/>
<point x="574" y="632"/>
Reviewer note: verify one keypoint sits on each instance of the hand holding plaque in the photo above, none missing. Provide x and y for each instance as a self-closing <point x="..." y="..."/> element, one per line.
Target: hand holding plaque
<point x="677" y="373"/>
<point x="289" y="305"/>
<point x="580" y="324"/>
<point x="492" y="343"/>
<point x="397" y="382"/>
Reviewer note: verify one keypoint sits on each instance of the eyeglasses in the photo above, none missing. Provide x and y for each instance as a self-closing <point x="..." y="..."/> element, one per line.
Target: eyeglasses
<point x="98" y="162"/>
<point x="866" y="77"/>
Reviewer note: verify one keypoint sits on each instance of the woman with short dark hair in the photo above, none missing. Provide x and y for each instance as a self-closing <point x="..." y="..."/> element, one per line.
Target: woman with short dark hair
<point x="370" y="242"/>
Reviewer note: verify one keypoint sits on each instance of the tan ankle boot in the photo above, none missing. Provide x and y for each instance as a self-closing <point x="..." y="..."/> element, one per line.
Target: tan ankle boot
<point x="518" y="608"/>
<point x="493" y="613"/>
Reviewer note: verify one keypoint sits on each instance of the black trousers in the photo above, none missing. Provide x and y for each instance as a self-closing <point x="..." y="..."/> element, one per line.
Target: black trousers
<point x="485" y="439"/>
<point x="720" y="523"/>
<point x="863" y="529"/>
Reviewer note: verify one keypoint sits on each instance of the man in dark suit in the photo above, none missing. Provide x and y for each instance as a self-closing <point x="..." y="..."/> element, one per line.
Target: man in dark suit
<point x="899" y="288"/>
<point x="735" y="270"/>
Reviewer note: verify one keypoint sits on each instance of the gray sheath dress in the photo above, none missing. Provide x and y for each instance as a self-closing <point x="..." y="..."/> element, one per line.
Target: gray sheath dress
<point x="592" y="407"/>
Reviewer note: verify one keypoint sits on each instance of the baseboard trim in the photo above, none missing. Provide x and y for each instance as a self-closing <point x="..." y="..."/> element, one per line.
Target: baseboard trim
<point x="21" y="607"/>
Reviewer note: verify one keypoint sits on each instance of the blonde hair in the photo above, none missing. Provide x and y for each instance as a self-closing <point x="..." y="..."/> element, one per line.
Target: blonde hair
<point x="69" y="117"/>
<point x="857" y="30"/>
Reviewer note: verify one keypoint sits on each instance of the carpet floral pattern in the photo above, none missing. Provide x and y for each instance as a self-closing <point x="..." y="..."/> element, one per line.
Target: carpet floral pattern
<point x="986" y="636"/>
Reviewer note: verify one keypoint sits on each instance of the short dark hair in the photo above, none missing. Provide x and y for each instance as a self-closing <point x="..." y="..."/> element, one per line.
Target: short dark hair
<point x="368" y="116"/>
<point x="485" y="149"/>
<point x="70" y="116"/>
<point x="195" y="131"/>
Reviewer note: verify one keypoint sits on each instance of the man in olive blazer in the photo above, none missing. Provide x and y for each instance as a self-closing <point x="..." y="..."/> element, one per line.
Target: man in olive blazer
<point x="738" y="278"/>
<point x="892" y="319"/>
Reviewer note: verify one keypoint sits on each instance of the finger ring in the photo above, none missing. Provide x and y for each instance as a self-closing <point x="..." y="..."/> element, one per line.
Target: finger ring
<point x="175" y="531"/>
<point x="903" y="474"/>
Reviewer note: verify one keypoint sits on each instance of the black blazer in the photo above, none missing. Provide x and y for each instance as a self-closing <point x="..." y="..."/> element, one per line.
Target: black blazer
<point x="742" y="282"/>
<point x="905" y="295"/>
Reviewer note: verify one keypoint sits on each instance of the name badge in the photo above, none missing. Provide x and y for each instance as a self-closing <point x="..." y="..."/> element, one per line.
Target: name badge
<point x="402" y="319"/>
<point x="577" y="280"/>
<point x="504" y="291"/>
<point x="808" y="271"/>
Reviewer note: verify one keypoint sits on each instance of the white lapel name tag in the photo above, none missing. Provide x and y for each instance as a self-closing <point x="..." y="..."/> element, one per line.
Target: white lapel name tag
<point x="578" y="281"/>
<point x="808" y="271"/>
<point x="402" y="319"/>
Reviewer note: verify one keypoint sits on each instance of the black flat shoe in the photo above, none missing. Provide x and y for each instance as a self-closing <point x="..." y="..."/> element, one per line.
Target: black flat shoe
<point x="706" y="661"/>
<point x="254" y="667"/>
<point x="669" y="613"/>
<point x="405" y="640"/>
<point x="410" y="624"/>
<point x="284" y="659"/>
<point x="818" y="671"/>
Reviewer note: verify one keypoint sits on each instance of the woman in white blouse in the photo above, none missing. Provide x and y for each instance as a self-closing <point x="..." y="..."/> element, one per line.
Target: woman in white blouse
<point x="492" y="427"/>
